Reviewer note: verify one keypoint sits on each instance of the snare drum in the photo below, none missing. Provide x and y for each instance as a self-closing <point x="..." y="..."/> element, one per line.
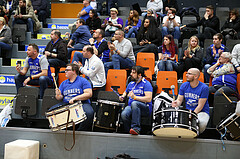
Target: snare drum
<point x="108" y="114"/>
<point x="231" y="123"/>
<point x="175" y="122"/>
<point x="58" y="116"/>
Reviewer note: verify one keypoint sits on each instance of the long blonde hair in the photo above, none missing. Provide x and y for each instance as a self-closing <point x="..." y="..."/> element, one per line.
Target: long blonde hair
<point x="189" y="44"/>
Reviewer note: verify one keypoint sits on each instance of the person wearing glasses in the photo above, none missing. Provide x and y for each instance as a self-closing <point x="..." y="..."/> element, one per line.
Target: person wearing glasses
<point x="195" y="94"/>
<point x="76" y="88"/>
<point x="224" y="76"/>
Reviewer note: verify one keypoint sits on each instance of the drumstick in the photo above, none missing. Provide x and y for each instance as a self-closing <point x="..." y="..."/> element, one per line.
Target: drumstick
<point x="173" y="87"/>
<point x="222" y="92"/>
<point x="55" y="83"/>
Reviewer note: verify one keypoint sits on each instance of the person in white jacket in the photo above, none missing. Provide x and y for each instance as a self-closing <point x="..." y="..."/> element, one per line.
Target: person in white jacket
<point x="236" y="57"/>
<point x="157" y="5"/>
<point x="93" y="69"/>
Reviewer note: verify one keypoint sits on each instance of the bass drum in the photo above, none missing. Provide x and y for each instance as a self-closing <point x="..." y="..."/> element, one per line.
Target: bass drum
<point x="175" y="122"/>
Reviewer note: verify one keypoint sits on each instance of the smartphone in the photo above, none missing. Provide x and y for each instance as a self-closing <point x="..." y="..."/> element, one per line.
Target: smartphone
<point x="109" y="21"/>
<point x="19" y="63"/>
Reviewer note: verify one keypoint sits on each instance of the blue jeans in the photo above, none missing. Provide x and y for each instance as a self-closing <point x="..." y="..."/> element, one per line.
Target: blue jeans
<point x="176" y="33"/>
<point x="131" y="115"/>
<point x="87" y="108"/>
<point x="77" y="46"/>
<point x="131" y="33"/>
<point x="43" y="82"/>
<point x="5" y="46"/>
<point x="206" y="75"/>
<point x="167" y="65"/>
<point x="29" y="23"/>
<point x="78" y="56"/>
<point x="118" y="62"/>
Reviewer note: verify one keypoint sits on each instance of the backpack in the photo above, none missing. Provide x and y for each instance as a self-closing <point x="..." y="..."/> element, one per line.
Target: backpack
<point x="189" y="11"/>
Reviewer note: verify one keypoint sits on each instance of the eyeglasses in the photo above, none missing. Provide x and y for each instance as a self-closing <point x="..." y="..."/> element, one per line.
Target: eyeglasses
<point x="189" y="73"/>
<point x="66" y="70"/>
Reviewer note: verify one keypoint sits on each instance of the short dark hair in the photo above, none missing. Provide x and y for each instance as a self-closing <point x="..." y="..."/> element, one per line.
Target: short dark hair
<point x="173" y="10"/>
<point x="139" y="70"/>
<point x="82" y="21"/>
<point x="24" y="1"/>
<point x="90" y="49"/>
<point x="102" y="32"/>
<point x="57" y="32"/>
<point x="35" y="47"/>
<point x="75" y="67"/>
<point x="210" y="7"/>
<point x="219" y="35"/>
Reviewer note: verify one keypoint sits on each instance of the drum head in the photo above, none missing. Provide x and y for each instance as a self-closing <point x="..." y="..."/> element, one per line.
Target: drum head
<point x="175" y="132"/>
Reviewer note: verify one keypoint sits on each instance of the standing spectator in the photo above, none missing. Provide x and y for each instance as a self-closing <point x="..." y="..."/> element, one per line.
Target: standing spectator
<point x="25" y="15"/>
<point x="213" y="52"/>
<point x="210" y="24"/>
<point x="122" y="53"/>
<point x="169" y="4"/>
<point x="84" y="13"/>
<point x="112" y="23"/>
<point x="167" y="54"/>
<point x="10" y="6"/>
<point x="149" y="37"/>
<point x="40" y="8"/>
<point x="156" y="5"/>
<point x="133" y="23"/>
<point x="171" y="24"/>
<point x="40" y="73"/>
<point x="5" y="38"/>
<point x="192" y="57"/>
<point x="80" y="37"/>
<point x="56" y="51"/>
<point x="93" y="22"/>
<point x="231" y="28"/>
<point x="236" y="57"/>
<point x="139" y="92"/>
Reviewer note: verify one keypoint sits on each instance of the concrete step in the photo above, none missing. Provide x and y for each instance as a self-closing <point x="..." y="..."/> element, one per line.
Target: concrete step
<point x="5" y="89"/>
<point x="49" y="30"/>
<point x="29" y="40"/>
<point x="61" y="20"/>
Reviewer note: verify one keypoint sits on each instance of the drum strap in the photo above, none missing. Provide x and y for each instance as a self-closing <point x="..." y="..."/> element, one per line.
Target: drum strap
<point x="66" y="133"/>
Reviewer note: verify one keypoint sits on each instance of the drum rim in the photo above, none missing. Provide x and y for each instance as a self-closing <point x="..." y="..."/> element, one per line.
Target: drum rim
<point x="195" y="133"/>
<point x="161" y="126"/>
<point x="176" y="110"/>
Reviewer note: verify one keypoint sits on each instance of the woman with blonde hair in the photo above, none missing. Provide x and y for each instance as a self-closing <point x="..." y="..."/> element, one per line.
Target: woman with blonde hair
<point x="192" y="57"/>
<point x="132" y="25"/>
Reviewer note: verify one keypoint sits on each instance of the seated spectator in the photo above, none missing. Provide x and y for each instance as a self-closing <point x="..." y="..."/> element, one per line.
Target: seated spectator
<point x="231" y="28"/>
<point x="94" y="70"/>
<point x="3" y="14"/>
<point x="151" y="13"/>
<point x="97" y="42"/>
<point x="192" y="58"/>
<point x="56" y="51"/>
<point x="41" y="9"/>
<point x="236" y="57"/>
<point x="76" y="88"/>
<point x="149" y="37"/>
<point x="112" y="23"/>
<point x="10" y="7"/>
<point x="224" y="76"/>
<point x="167" y="54"/>
<point x="210" y="24"/>
<point x="122" y="53"/>
<point x="40" y="73"/>
<point x="25" y="15"/>
<point x="80" y="37"/>
<point x="171" y="24"/>
<point x="156" y="5"/>
<point x="132" y="25"/>
<point x="5" y="37"/>
<point x="93" y="22"/>
<point x="169" y="4"/>
<point x="213" y="52"/>
<point x="84" y="13"/>
<point x="139" y="92"/>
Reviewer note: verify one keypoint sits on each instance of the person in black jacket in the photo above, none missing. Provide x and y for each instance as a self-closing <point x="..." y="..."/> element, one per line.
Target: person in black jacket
<point x="149" y="37"/>
<point x="10" y="6"/>
<point x="56" y="51"/>
<point x="233" y="22"/>
<point x="93" y="22"/>
<point x="210" y="25"/>
<point x="169" y="4"/>
<point x="40" y="9"/>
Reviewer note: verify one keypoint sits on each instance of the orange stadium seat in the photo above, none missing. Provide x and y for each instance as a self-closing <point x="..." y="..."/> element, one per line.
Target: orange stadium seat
<point x="165" y="79"/>
<point x="201" y="78"/>
<point x="61" y="76"/>
<point x="73" y="54"/>
<point x="116" y="78"/>
<point x="146" y="60"/>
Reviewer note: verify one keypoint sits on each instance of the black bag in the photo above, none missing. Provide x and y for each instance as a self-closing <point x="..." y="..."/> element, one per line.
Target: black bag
<point x="189" y="11"/>
<point x="187" y="33"/>
<point x="229" y="31"/>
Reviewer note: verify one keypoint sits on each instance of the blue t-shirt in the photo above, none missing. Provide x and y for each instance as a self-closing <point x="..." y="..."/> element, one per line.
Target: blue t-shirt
<point x="192" y="95"/>
<point x="140" y="88"/>
<point x="87" y="9"/>
<point x="72" y="89"/>
<point x="216" y="57"/>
